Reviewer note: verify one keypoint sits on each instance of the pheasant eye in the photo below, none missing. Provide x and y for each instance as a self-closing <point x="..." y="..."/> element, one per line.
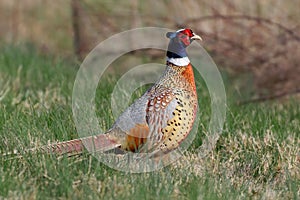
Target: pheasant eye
<point x="182" y="36"/>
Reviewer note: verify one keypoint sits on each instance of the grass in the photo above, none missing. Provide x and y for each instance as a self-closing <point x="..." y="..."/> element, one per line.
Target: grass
<point x="256" y="157"/>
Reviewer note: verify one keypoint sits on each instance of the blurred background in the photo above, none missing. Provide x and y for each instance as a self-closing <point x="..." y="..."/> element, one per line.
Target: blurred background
<point x="255" y="42"/>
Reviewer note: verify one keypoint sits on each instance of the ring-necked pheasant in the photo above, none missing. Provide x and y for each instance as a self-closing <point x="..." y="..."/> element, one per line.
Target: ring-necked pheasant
<point x="160" y="119"/>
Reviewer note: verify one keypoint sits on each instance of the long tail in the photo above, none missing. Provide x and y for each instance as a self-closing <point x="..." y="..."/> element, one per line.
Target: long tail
<point x="98" y="143"/>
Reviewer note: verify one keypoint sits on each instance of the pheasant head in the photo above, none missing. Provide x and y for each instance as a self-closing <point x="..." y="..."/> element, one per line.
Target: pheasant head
<point x="179" y="40"/>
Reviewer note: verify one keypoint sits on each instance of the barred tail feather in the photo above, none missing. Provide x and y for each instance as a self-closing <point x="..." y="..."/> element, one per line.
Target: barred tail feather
<point x="99" y="143"/>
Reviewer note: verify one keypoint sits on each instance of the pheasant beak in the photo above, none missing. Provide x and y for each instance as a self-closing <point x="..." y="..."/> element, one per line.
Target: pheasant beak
<point x="196" y="37"/>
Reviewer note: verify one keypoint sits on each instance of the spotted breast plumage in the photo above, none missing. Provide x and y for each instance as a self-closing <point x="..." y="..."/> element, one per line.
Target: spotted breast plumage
<point x="160" y="119"/>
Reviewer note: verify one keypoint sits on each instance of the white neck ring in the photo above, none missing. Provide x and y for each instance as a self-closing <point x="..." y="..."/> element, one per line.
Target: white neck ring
<point x="179" y="61"/>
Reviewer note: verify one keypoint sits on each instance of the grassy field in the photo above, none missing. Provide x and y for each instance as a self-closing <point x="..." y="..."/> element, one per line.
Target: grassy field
<point x="256" y="157"/>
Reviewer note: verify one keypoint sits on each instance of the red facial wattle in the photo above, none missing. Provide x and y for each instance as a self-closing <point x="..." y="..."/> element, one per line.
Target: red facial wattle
<point x="184" y="39"/>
